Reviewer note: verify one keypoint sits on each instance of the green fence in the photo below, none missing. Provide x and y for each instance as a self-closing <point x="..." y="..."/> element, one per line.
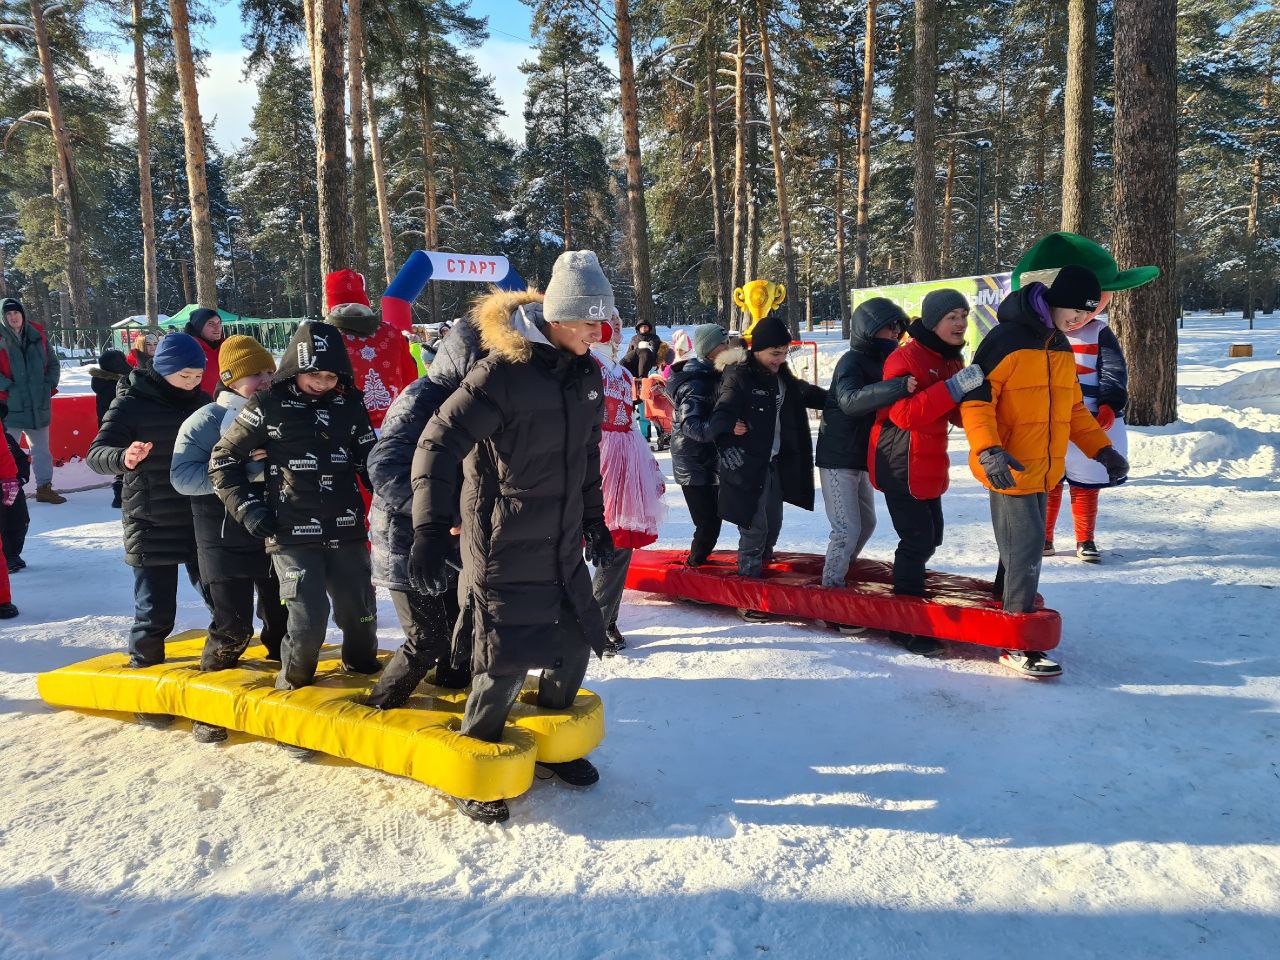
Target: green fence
<point x="87" y="343"/>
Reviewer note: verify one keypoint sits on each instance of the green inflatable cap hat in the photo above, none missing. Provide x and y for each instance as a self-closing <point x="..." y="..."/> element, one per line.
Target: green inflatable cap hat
<point x="1057" y="250"/>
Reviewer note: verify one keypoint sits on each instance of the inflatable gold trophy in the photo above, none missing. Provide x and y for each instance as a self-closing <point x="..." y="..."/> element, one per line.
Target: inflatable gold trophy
<point x="758" y="298"/>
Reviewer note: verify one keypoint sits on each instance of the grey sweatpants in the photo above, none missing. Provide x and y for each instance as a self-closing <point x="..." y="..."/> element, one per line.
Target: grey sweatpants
<point x="1018" y="522"/>
<point x="757" y="541"/>
<point x="309" y="577"/>
<point x="851" y="508"/>
<point x="41" y="454"/>
<point x="608" y="583"/>
<point x="493" y="695"/>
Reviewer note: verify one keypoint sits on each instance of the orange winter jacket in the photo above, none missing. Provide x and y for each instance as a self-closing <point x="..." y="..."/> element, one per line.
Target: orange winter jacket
<point x="1031" y="403"/>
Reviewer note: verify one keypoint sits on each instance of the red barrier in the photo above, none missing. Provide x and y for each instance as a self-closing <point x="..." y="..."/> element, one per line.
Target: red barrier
<point x="75" y="424"/>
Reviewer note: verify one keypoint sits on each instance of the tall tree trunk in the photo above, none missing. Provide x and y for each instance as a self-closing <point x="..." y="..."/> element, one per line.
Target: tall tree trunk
<point x="638" y="222"/>
<point x="1145" y="202"/>
<point x="739" y="166"/>
<point x="723" y="298"/>
<point x="1077" y="153"/>
<point x="948" y="209"/>
<point x="77" y="279"/>
<point x="359" y="168"/>
<point x="997" y="230"/>
<point x="380" y="184"/>
<point x="753" y="174"/>
<point x="184" y="277"/>
<point x="842" y="277"/>
<point x="193" y="138"/>
<point x="924" y="261"/>
<point x="331" y="139"/>
<point x="862" y="238"/>
<point x="150" y="279"/>
<point x="1255" y="196"/>
<point x="779" y="173"/>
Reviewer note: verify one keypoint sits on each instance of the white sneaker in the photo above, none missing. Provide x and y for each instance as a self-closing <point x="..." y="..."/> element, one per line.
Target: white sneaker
<point x="1031" y="664"/>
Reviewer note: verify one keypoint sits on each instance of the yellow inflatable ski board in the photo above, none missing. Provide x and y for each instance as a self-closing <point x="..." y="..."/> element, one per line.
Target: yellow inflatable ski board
<point x="420" y="742"/>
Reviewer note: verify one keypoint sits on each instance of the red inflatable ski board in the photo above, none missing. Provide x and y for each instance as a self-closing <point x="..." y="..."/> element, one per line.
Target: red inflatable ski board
<point x="958" y="608"/>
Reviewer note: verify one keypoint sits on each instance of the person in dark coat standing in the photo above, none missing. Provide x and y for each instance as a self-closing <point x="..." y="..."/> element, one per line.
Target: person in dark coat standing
<point x="642" y="352"/>
<point x="908" y="455"/>
<point x="29" y="380"/>
<point x="694" y="385"/>
<point x="858" y="390"/>
<point x="136" y="439"/>
<point x="106" y="380"/>
<point x="15" y="518"/>
<point x="233" y="562"/>
<point x="205" y="326"/>
<point x="526" y="424"/>
<point x="314" y="428"/>
<point x="761" y="428"/>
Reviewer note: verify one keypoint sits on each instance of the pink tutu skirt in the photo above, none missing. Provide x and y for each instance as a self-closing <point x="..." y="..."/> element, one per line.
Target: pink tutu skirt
<point x="632" y="486"/>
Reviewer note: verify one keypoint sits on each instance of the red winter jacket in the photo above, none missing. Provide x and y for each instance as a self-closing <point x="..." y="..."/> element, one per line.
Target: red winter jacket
<point x="907" y="455"/>
<point x="383" y="367"/>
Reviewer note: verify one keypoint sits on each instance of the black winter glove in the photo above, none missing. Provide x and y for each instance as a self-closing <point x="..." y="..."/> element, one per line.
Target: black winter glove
<point x="1117" y="466"/>
<point x="599" y="543"/>
<point x="259" y="521"/>
<point x="999" y="467"/>
<point x="429" y="562"/>
<point x="732" y="458"/>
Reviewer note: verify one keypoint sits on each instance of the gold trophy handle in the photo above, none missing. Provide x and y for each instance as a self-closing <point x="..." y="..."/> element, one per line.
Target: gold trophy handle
<point x="779" y="295"/>
<point x="739" y="299"/>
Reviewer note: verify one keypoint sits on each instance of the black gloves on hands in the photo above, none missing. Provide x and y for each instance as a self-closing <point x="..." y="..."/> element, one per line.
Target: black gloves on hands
<point x="259" y="521"/>
<point x="599" y="543"/>
<point x="732" y="458"/>
<point x="999" y="467"/>
<point x="429" y="561"/>
<point x="1116" y="465"/>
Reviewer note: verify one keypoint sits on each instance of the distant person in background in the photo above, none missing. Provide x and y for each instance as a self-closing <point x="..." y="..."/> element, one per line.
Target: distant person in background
<point x="380" y="359"/>
<point x="682" y="345"/>
<point x="205" y="327"/>
<point x="642" y="351"/>
<point x="30" y="382"/>
<point x="107" y="379"/>
<point x="142" y="349"/>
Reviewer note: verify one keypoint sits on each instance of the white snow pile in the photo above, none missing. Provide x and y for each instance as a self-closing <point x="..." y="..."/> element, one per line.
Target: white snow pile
<point x="768" y="790"/>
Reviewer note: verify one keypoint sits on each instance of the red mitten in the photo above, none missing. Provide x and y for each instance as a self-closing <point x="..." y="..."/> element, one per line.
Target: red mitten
<point x="1106" y="417"/>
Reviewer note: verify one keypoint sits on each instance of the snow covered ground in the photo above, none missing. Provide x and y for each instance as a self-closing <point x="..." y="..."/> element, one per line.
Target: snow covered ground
<point x="767" y="790"/>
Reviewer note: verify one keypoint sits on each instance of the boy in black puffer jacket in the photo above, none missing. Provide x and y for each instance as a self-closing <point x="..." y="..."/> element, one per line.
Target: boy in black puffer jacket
<point x="136" y="439"/>
<point x="858" y="390"/>
<point x="766" y="451"/>
<point x="315" y="430"/>
<point x="106" y="380"/>
<point x="694" y="385"/>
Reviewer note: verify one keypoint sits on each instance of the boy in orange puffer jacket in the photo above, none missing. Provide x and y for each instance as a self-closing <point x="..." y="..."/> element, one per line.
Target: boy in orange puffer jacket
<point x="1019" y="422"/>
<point x="908" y="458"/>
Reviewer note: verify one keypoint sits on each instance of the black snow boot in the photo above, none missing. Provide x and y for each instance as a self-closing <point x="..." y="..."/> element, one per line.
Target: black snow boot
<point x="1087" y="551"/>
<point x="298" y="753"/>
<point x="483" y="811"/>
<point x="366" y="669"/>
<point x="8" y="611"/>
<point x="613" y="640"/>
<point x="920" y="646"/>
<point x="156" y="721"/>
<point x="207" y="732"/>
<point x="753" y="616"/>
<point x="576" y="773"/>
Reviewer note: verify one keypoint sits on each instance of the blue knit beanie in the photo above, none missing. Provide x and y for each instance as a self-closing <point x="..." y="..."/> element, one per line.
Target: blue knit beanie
<point x="177" y="351"/>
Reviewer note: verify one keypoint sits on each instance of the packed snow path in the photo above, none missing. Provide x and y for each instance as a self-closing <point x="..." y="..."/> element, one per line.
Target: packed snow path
<point x="767" y="790"/>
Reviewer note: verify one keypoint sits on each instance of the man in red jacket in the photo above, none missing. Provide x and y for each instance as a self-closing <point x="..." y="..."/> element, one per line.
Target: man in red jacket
<point x="380" y="356"/>
<point x="908" y="449"/>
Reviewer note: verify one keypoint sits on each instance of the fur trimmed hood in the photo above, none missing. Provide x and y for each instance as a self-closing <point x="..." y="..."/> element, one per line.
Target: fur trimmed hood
<point x="726" y="358"/>
<point x="510" y="322"/>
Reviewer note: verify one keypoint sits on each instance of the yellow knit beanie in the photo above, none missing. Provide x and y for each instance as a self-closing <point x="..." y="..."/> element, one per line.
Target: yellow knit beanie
<point x="241" y="357"/>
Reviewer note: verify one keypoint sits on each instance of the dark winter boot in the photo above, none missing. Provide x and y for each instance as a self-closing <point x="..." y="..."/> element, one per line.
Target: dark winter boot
<point x="365" y="669"/>
<point x="298" y="753"/>
<point x="483" y="811"/>
<point x="849" y="630"/>
<point x="8" y="611"/>
<point x="920" y="646"/>
<point x="613" y="640"/>
<point x="1088" y="552"/>
<point x="576" y="773"/>
<point x="1048" y="548"/>
<point x="156" y="721"/>
<point x="46" y="494"/>
<point x="16" y="564"/>
<point x="1030" y="664"/>
<point x="753" y="616"/>
<point x="207" y="732"/>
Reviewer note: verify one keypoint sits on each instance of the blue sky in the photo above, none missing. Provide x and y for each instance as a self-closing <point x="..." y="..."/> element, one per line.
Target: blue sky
<point x="227" y="98"/>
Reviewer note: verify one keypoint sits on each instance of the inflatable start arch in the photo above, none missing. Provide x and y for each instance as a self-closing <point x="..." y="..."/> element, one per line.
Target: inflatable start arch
<point x="423" y="266"/>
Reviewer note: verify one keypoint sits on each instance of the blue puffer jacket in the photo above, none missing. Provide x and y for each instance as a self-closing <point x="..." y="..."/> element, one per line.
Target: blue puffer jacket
<point x="391" y="516"/>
